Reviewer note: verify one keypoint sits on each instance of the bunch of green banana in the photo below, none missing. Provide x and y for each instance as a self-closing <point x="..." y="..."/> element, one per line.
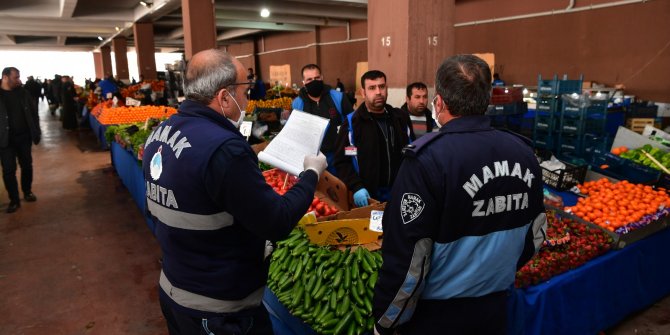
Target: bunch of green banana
<point x="331" y="290"/>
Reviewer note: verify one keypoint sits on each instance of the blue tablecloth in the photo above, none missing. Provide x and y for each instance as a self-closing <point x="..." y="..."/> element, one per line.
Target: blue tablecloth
<point x="591" y="298"/>
<point x="130" y="172"/>
<point x="99" y="131"/>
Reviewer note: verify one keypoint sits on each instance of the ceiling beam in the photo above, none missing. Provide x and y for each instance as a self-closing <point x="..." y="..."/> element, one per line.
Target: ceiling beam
<point x="235" y="33"/>
<point x="46" y="47"/>
<point x="7" y="40"/>
<point x="60" y="40"/>
<point x="262" y="25"/>
<point x="51" y="32"/>
<point x="292" y="8"/>
<point x="294" y="19"/>
<point x="67" y="8"/>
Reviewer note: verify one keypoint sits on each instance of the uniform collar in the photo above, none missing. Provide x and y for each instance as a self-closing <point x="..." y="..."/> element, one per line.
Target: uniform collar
<point x="190" y="108"/>
<point x="469" y="123"/>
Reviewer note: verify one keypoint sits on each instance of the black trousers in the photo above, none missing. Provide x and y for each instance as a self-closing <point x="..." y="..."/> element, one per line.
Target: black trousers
<point x="486" y="315"/>
<point x="17" y="150"/>
<point x="255" y="321"/>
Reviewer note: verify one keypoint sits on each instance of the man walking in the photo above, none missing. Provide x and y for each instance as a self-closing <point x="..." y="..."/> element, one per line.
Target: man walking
<point x="19" y="129"/>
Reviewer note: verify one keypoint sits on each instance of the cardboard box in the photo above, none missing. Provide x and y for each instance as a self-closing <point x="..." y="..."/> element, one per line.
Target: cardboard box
<point x="632" y="140"/>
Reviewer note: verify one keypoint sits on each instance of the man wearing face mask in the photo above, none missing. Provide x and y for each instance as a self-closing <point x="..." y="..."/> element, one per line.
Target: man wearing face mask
<point x="320" y="99"/>
<point x="212" y="209"/>
<point x="370" y="142"/>
<point x="466" y="212"/>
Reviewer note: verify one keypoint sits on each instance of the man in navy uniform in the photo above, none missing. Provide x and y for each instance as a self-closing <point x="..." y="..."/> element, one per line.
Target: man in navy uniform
<point x="212" y="208"/>
<point x="466" y="211"/>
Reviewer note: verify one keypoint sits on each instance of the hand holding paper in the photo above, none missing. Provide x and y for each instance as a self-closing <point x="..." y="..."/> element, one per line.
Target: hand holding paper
<point x="301" y="136"/>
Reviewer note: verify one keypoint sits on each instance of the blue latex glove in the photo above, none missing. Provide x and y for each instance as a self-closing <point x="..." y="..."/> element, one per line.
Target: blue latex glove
<point x="361" y="197"/>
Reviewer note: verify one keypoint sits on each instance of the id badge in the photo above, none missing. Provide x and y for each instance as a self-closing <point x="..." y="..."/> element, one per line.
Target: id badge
<point x="350" y="151"/>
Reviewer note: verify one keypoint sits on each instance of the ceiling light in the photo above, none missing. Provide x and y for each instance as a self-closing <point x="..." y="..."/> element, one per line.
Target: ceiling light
<point x="147" y="4"/>
<point x="265" y="12"/>
<point x="100" y="38"/>
<point x="117" y="28"/>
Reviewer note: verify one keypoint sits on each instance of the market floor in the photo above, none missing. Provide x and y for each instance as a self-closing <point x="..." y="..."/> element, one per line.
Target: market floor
<point x="81" y="259"/>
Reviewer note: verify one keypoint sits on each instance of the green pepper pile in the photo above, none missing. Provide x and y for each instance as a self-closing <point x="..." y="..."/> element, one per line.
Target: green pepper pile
<point x="331" y="290"/>
<point x="638" y="156"/>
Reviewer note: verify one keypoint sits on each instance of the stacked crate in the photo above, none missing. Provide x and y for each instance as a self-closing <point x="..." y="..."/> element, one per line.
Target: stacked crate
<point x="582" y="127"/>
<point x="506" y="109"/>
<point x="548" y="109"/>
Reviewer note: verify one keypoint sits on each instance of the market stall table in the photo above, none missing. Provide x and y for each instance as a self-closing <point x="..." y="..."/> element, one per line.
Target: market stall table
<point x="99" y="131"/>
<point x="130" y="171"/>
<point x="586" y="300"/>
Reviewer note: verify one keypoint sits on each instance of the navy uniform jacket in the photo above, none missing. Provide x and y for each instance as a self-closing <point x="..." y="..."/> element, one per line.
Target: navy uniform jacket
<point x="213" y="212"/>
<point x="466" y="211"/>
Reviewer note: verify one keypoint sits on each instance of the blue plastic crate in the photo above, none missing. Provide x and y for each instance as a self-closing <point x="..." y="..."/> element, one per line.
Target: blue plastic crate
<point x="582" y="106"/>
<point x="621" y="168"/>
<point x="595" y="126"/>
<point x="546" y="123"/>
<point x="519" y="107"/>
<point x="593" y="144"/>
<point x="572" y="126"/>
<point x="548" y="106"/>
<point x="544" y="140"/>
<point x="557" y="87"/>
<point x="569" y="143"/>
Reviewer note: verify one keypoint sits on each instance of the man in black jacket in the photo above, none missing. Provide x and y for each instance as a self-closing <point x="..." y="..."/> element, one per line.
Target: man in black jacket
<point x="369" y="143"/>
<point x="19" y="126"/>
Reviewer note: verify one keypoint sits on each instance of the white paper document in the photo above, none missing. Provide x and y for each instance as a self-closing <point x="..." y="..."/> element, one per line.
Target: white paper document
<point x="302" y="135"/>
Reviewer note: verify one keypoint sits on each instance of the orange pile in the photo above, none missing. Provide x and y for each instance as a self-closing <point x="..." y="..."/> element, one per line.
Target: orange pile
<point x="619" y="150"/>
<point x="613" y="205"/>
<point x="123" y="115"/>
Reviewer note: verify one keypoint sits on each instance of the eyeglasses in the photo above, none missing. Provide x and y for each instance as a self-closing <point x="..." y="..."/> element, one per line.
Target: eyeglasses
<point x="251" y="84"/>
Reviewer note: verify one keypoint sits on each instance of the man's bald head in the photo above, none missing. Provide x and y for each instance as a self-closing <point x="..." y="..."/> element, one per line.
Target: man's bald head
<point x="207" y="72"/>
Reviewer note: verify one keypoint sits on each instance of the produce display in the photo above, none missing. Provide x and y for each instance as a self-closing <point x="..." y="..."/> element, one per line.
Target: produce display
<point x="125" y="115"/>
<point x="330" y="290"/>
<point x="638" y="156"/>
<point x="132" y="136"/>
<point x="133" y="91"/>
<point x="620" y="207"/>
<point x="281" y="182"/>
<point x="283" y="103"/>
<point x="569" y="245"/>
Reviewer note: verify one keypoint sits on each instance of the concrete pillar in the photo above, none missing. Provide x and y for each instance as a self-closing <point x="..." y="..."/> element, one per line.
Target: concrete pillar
<point x="97" y="62"/>
<point x="408" y="39"/>
<point x="106" y="61"/>
<point x="121" y="57"/>
<point x="144" y="46"/>
<point x="199" y="26"/>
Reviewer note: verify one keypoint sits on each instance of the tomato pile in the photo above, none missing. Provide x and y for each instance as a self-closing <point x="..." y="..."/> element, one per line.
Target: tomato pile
<point x="615" y="206"/>
<point x="276" y="178"/>
<point x="585" y="243"/>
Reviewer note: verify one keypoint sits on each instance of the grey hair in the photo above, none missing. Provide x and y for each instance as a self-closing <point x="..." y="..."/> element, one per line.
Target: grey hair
<point x="202" y="81"/>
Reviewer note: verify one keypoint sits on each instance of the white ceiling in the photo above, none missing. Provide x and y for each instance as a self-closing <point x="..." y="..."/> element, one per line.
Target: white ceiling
<point x="76" y="24"/>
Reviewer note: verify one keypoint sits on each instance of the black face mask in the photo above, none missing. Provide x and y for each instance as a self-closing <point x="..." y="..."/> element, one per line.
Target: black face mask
<point x="314" y="88"/>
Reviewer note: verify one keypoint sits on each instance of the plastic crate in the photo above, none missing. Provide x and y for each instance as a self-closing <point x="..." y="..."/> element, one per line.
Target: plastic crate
<point x="569" y="143"/>
<point x="624" y="169"/>
<point x="641" y="111"/>
<point x="506" y="95"/>
<point x="557" y="87"/>
<point x="544" y="140"/>
<point x="566" y="178"/>
<point x="583" y="106"/>
<point x="546" y="122"/>
<point x="548" y="106"/>
<point x="594" y="145"/>
<point x="508" y="109"/>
